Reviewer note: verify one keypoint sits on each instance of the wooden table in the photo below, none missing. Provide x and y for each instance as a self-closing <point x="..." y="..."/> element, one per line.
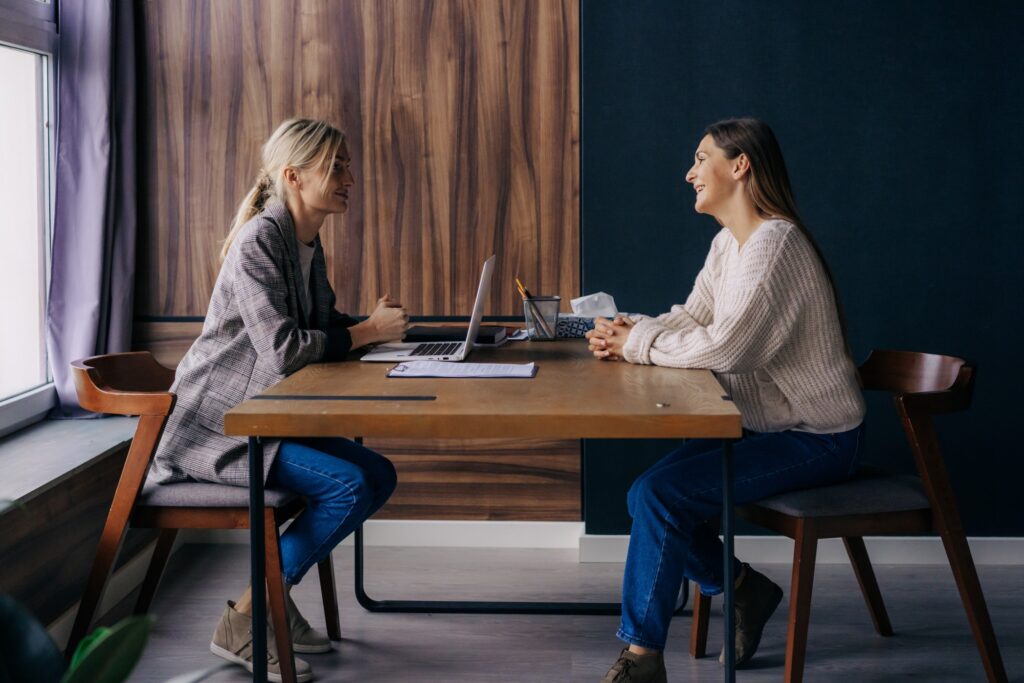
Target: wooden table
<point x="572" y="396"/>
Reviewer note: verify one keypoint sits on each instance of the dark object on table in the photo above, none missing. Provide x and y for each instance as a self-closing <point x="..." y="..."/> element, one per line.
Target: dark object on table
<point x="488" y="334"/>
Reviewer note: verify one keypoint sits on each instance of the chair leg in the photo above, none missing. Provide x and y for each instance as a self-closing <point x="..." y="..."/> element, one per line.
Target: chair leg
<point x="330" y="596"/>
<point x="275" y="592"/>
<point x="966" y="575"/>
<point x="106" y="553"/>
<point x="868" y="585"/>
<point x="804" y="554"/>
<point x="699" y="625"/>
<point x="156" y="568"/>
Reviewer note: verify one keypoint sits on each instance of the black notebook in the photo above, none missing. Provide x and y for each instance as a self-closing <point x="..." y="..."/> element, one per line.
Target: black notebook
<point x="487" y="334"/>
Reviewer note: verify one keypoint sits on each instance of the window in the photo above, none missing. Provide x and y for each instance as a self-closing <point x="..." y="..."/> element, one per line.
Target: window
<point x="26" y="138"/>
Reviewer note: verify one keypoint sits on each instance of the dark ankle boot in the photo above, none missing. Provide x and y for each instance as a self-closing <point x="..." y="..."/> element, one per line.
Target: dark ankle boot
<point x="755" y="600"/>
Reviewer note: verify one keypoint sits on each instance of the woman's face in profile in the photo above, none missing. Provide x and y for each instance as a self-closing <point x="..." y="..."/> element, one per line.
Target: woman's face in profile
<point x="710" y="176"/>
<point x="328" y="191"/>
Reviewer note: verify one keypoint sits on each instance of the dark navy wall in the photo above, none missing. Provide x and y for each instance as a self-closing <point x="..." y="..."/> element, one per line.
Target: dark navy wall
<point x="901" y="123"/>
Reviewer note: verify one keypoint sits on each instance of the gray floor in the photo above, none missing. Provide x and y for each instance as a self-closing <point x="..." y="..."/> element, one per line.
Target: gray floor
<point x="932" y="641"/>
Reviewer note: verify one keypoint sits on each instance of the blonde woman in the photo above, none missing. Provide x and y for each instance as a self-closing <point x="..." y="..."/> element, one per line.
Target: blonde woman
<point x="272" y="313"/>
<point x="764" y="316"/>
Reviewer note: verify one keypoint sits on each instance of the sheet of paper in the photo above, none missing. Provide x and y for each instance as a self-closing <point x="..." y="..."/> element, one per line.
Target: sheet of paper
<point x="429" y="368"/>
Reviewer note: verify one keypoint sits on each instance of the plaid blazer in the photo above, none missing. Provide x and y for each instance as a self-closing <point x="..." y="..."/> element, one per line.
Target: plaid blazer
<point x="255" y="334"/>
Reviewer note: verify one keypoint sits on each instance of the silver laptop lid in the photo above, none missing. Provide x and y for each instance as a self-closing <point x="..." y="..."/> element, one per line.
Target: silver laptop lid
<point x="482" y="292"/>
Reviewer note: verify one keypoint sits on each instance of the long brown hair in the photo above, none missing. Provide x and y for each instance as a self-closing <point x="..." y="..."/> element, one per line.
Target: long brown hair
<point x="768" y="182"/>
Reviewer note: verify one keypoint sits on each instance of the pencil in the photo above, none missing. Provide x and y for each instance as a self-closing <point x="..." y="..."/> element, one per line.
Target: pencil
<point x="528" y="298"/>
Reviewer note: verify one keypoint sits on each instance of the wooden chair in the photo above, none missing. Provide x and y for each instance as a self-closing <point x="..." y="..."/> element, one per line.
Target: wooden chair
<point x="135" y="384"/>
<point x="874" y="504"/>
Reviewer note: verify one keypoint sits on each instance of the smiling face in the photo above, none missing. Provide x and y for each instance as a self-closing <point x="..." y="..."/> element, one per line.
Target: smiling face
<point x="327" y="192"/>
<point x="713" y="177"/>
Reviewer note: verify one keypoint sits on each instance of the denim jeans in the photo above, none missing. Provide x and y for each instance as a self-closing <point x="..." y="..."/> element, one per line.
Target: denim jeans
<point x="672" y="502"/>
<point x="343" y="484"/>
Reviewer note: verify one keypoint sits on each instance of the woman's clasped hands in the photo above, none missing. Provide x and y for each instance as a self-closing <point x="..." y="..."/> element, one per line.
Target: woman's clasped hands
<point x="608" y="337"/>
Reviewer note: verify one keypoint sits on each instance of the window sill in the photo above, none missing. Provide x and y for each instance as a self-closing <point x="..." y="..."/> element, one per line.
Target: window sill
<point x="20" y="411"/>
<point x="40" y="457"/>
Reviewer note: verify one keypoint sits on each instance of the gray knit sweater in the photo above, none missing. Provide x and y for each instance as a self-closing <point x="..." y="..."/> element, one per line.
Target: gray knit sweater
<point x="763" y="318"/>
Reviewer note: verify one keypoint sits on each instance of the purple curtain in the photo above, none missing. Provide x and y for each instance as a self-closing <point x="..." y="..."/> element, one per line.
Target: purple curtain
<point x="93" y="268"/>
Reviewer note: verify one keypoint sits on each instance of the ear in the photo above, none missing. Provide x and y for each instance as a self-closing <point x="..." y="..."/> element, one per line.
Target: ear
<point x="740" y="166"/>
<point x="291" y="177"/>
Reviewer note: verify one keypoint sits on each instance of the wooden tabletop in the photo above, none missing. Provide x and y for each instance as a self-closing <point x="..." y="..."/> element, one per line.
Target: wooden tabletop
<point x="572" y="396"/>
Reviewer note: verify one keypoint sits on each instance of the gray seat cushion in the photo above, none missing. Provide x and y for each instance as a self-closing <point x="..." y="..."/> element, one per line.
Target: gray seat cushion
<point x="865" y="494"/>
<point x="195" y="494"/>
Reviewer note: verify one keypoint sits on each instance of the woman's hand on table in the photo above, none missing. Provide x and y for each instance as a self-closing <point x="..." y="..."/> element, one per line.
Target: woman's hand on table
<point x="608" y="337"/>
<point x="388" y="322"/>
<point x="389" y="319"/>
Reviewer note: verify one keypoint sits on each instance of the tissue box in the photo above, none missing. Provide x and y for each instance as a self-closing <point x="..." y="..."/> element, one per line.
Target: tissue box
<point x="570" y="325"/>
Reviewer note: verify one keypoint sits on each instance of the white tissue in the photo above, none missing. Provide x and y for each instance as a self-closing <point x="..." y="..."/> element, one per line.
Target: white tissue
<point x="595" y="304"/>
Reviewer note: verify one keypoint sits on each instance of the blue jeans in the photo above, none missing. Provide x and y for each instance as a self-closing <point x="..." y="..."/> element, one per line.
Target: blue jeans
<point x="343" y="484"/>
<point x="672" y="502"/>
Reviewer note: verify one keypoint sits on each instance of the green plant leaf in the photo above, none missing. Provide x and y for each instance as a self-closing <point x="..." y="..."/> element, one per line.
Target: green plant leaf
<point x="87" y="643"/>
<point x="111" y="656"/>
<point x="27" y="653"/>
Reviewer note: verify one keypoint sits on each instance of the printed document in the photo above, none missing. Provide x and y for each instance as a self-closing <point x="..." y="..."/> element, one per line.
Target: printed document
<point x="429" y="368"/>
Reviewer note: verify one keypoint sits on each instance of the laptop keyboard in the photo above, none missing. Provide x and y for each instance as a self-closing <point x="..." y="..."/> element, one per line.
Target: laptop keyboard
<point x="437" y="349"/>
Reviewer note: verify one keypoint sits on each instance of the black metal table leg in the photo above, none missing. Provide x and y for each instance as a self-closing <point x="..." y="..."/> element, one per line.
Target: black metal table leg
<point x="730" y="616"/>
<point x="479" y="607"/>
<point x="257" y="561"/>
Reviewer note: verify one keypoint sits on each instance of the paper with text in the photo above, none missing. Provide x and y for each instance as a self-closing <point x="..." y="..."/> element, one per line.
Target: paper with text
<point x="429" y="368"/>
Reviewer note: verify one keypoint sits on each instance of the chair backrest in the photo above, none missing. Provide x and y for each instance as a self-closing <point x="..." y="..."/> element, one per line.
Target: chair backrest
<point x="128" y="384"/>
<point x="124" y="384"/>
<point x="922" y="385"/>
<point x="908" y="372"/>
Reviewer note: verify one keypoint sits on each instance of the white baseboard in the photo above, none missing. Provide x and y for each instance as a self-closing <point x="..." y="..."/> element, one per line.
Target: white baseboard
<point x="882" y="550"/>
<point x="436" y="533"/>
<point x="570" y="535"/>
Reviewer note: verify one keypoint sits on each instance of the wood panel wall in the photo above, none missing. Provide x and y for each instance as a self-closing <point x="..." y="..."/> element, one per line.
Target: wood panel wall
<point x="476" y="479"/>
<point x="463" y="125"/>
<point x="462" y="119"/>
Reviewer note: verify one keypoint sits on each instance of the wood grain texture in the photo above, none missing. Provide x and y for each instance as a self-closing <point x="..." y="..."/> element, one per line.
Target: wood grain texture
<point x="561" y="402"/>
<point x="477" y="479"/>
<point x="167" y="341"/>
<point x="463" y="126"/>
<point x="483" y="479"/>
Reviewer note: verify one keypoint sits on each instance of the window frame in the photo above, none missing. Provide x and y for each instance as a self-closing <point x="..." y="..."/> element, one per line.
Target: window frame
<point x="32" y="25"/>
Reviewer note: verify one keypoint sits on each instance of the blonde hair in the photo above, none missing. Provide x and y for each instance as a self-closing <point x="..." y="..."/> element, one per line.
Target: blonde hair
<point x="297" y="143"/>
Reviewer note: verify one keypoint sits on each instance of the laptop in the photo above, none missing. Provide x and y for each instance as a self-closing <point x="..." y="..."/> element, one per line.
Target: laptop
<point x="453" y="351"/>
